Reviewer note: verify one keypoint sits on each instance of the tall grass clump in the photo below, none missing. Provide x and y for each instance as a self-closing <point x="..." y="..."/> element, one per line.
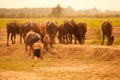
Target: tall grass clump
<point x="98" y="35"/>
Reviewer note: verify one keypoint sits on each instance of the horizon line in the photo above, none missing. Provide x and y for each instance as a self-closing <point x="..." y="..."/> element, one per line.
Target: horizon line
<point x="62" y="7"/>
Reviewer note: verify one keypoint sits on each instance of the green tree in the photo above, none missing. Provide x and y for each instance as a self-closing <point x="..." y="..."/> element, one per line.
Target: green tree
<point x="57" y="11"/>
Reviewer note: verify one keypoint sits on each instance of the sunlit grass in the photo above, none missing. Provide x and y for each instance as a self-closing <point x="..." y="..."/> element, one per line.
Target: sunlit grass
<point x="20" y="64"/>
<point x="91" y="22"/>
<point x="15" y="64"/>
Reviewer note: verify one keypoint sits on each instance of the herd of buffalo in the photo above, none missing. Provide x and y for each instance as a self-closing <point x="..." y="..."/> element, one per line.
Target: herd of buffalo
<point x="46" y="32"/>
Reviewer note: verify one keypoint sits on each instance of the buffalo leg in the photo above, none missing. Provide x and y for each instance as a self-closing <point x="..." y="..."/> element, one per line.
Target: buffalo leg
<point x="12" y="39"/>
<point x="84" y="38"/>
<point x="8" y="38"/>
<point x="103" y="39"/>
<point x="75" y="39"/>
<point x="24" y="38"/>
<point x="30" y="52"/>
<point x="20" y="38"/>
<point x="46" y="46"/>
<point x="70" y="38"/>
<point x="108" y="40"/>
<point x="59" y="38"/>
<point x="63" y="39"/>
<point x="80" y="39"/>
<point x="66" y="36"/>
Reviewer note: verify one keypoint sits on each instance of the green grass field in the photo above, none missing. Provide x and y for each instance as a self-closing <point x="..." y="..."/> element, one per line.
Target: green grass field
<point x="91" y="22"/>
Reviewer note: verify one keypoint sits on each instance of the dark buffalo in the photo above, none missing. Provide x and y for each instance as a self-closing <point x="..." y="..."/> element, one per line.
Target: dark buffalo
<point x="80" y="31"/>
<point x="52" y="28"/>
<point x="39" y="29"/>
<point x="13" y="28"/>
<point x="61" y="33"/>
<point x="107" y="31"/>
<point x="34" y="27"/>
<point x="30" y="38"/>
<point x="26" y="27"/>
<point x="24" y="30"/>
<point x="74" y="24"/>
<point x="66" y="31"/>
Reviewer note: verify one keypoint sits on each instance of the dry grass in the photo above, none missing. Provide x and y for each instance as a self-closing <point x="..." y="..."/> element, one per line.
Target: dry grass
<point x="63" y="62"/>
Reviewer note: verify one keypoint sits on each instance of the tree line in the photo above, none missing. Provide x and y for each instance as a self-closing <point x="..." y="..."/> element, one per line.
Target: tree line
<point x="57" y="11"/>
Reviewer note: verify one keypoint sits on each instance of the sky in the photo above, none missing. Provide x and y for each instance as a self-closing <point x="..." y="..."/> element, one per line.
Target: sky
<point x="75" y="4"/>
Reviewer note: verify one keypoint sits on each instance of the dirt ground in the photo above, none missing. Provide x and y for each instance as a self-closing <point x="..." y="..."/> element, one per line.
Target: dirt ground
<point x="74" y="61"/>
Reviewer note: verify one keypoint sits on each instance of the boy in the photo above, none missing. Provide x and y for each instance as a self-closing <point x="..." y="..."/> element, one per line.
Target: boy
<point x="37" y="50"/>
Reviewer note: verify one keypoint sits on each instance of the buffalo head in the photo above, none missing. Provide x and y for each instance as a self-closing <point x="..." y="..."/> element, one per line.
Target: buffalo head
<point x="110" y="40"/>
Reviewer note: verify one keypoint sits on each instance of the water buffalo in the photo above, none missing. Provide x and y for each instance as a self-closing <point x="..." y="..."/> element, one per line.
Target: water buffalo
<point x="42" y="29"/>
<point x="66" y="31"/>
<point x="39" y="29"/>
<point x="13" y="28"/>
<point x="24" y="30"/>
<point x="107" y="31"/>
<point x="45" y="37"/>
<point x="30" y="38"/>
<point x="26" y="27"/>
<point x="52" y="28"/>
<point x="74" y="24"/>
<point x="61" y="33"/>
<point x="80" y="31"/>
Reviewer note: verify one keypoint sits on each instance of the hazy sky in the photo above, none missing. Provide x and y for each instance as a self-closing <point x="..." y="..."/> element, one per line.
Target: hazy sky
<point x="75" y="4"/>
